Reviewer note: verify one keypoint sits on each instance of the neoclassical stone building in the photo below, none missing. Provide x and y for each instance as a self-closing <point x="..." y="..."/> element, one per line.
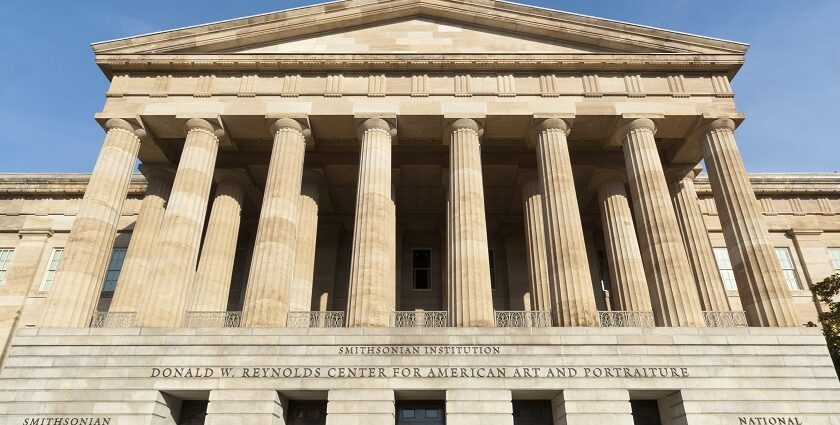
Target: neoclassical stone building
<point x="417" y="212"/>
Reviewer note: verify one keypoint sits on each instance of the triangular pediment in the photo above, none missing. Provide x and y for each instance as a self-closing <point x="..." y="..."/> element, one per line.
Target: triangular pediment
<point x="418" y="27"/>
<point x="420" y="35"/>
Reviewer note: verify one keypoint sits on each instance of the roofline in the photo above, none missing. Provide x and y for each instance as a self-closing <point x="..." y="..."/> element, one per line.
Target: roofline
<point x="732" y="46"/>
<point x="215" y="22"/>
<point x="499" y="1"/>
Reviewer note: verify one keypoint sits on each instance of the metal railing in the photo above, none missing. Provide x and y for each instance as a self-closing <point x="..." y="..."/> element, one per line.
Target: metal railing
<point x="212" y="319"/>
<point x="523" y="319"/>
<point x="315" y="319"/>
<point x="626" y="319"/>
<point x="725" y="319"/>
<point x="419" y="319"/>
<point x="113" y="319"/>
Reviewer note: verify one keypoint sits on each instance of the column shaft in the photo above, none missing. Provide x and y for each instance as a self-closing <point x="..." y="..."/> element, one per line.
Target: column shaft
<point x="673" y="293"/>
<point x="470" y="296"/>
<point x="535" y="236"/>
<point x="211" y="287"/>
<point x="699" y="247"/>
<point x="371" y="298"/>
<point x="301" y="298"/>
<point x="761" y="287"/>
<point x="133" y="283"/>
<point x="272" y="264"/>
<point x="180" y="232"/>
<point x="573" y="300"/>
<point x="78" y="281"/>
<point x="627" y="273"/>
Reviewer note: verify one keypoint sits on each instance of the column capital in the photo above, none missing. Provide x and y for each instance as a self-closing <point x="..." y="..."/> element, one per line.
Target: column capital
<point x="376" y="124"/>
<point x="205" y="126"/>
<point x="546" y="124"/>
<point x="717" y="124"/>
<point x="119" y="124"/>
<point x="157" y="171"/>
<point x="236" y="176"/>
<point x="628" y="124"/>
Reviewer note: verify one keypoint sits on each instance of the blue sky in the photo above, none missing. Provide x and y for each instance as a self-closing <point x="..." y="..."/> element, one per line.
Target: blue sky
<point x="789" y="89"/>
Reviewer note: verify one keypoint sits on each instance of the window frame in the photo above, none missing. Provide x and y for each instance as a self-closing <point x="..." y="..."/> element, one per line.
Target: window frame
<point x="110" y="270"/>
<point x="792" y="268"/>
<point x="724" y="277"/>
<point x="44" y="287"/>
<point x="5" y="262"/>
<point x="429" y="269"/>
<point x="834" y="254"/>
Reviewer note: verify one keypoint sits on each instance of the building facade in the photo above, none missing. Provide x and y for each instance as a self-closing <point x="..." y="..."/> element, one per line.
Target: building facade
<point x="417" y="212"/>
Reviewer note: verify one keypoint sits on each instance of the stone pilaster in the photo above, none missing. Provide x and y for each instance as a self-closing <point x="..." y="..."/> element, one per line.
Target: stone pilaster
<point x="371" y="298"/>
<point x="301" y="296"/>
<point x="78" y="281"/>
<point x="764" y="294"/>
<point x="573" y="300"/>
<point x="673" y="293"/>
<point x="479" y="406"/>
<point x="627" y="273"/>
<point x="593" y="406"/>
<point x="470" y="296"/>
<point x="536" y="247"/>
<point x="272" y="264"/>
<point x="211" y="287"/>
<point x="180" y="232"/>
<point x="133" y="283"/>
<point x="371" y="406"/>
<point x="246" y="407"/>
<point x="698" y="247"/>
<point x="20" y="275"/>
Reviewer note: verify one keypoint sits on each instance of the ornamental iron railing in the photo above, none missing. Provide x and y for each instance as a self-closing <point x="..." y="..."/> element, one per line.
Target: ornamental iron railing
<point x="315" y="319"/>
<point x="725" y="319"/>
<point x="626" y="319"/>
<point x="419" y="319"/>
<point x="213" y="319"/>
<point x="523" y="319"/>
<point x="113" y="319"/>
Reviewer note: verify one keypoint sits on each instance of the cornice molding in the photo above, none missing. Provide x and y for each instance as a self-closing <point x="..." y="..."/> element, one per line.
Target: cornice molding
<point x="727" y="64"/>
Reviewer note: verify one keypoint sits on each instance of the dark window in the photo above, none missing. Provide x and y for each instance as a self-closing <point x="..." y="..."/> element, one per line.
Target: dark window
<point x="492" y="270"/>
<point x="421" y="269"/>
<point x="307" y="412"/>
<point x="604" y="270"/>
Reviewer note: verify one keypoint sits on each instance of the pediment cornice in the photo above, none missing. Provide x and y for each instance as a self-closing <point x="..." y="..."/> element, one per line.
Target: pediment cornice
<point x="220" y="37"/>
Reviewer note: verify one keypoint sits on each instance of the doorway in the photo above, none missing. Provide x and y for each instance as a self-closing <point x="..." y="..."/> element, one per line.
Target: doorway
<point x="532" y="412"/>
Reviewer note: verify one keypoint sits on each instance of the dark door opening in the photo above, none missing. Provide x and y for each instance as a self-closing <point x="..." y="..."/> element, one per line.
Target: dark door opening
<point x="193" y="412"/>
<point x="308" y="412"/>
<point x="421" y="412"/>
<point x="645" y="412"/>
<point x="532" y="412"/>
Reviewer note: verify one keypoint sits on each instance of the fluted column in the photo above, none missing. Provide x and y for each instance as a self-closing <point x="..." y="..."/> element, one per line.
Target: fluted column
<point x="211" y="286"/>
<point x="78" y="281"/>
<point x="273" y="261"/>
<point x="698" y="247"/>
<point x="180" y="232"/>
<point x="673" y="294"/>
<point x="536" y="247"/>
<point x="301" y="297"/>
<point x="627" y="274"/>
<point x="371" y="298"/>
<point x="761" y="287"/>
<point x="469" y="290"/>
<point x="133" y="283"/>
<point x="573" y="300"/>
